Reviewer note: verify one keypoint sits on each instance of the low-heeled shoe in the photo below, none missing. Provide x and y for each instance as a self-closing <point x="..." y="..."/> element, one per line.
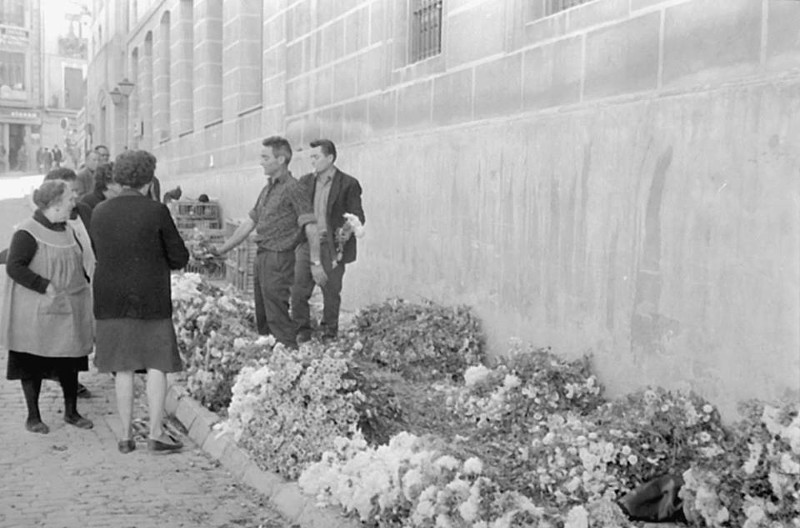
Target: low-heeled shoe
<point x="161" y="446"/>
<point x="126" y="446"/>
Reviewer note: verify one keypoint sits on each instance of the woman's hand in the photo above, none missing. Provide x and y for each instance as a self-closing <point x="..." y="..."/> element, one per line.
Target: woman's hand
<point x="51" y="290"/>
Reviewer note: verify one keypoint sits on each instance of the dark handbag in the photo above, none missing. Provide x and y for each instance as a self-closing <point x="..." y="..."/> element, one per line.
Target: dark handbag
<point x="655" y="501"/>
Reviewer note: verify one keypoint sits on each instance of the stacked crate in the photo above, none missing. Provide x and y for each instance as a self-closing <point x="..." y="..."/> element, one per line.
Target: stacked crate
<point x="191" y="216"/>
<point x="241" y="259"/>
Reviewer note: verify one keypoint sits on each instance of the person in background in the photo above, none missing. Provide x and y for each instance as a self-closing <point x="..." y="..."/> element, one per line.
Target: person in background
<point x="46" y="314"/>
<point x="104" y="186"/>
<point x="57" y="157"/>
<point x="280" y="216"/>
<point x="173" y="195"/>
<point x="103" y="154"/>
<point x="86" y="175"/>
<point x="333" y="193"/>
<point x="137" y="246"/>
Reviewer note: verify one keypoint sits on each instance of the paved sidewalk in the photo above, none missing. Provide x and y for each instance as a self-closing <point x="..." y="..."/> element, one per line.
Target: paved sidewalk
<point x="77" y="478"/>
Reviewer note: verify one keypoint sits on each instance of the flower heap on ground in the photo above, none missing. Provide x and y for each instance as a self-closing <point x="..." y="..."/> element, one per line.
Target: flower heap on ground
<point x="753" y="481"/>
<point x="528" y="441"/>
<point x="216" y="337"/>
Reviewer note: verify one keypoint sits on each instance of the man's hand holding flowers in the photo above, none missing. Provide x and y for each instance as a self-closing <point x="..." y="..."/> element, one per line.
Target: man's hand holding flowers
<point x="351" y="227"/>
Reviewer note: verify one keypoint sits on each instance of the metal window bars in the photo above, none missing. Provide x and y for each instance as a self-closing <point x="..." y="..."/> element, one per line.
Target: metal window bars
<point x="552" y="7"/>
<point x="426" y="29"/>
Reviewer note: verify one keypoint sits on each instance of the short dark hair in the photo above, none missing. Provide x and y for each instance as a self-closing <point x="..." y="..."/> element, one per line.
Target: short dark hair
<point x="103" y="175"/>
<point x="280" y="147"/>
<point x="49" y="192"/>
<point x="326" y="146"/>
<point x="61" y="173"/>
<point x="134" y="168"/>
<point x="98" y="147"/>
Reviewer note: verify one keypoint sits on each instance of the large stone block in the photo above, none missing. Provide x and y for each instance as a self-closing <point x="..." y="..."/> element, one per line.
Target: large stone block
<point x="452" y="97"/>
<point x="331" y="124"/>
<point x="356" y="30"/>
<point x="414" y="105"/>
<point x="323" y="87"/>
<point x="596" y="13"/>
<point x="783" y="35"/>
<point x="378" y="21"/>
<point x="622" y="58"/>
<point x="646" y="4"/>
<point x="383" y="111"/>
<point x="356" y="123"/>
<point x="345" y="76"/>
<point x="546" y="28"/>
<point x="298" y="95"/>
<point x="498" y="87"/>
<point x="552" y="74"/>
<point x="372" y="70"/>
<point x="476" y="32"/>
<point x="711" y="40"/>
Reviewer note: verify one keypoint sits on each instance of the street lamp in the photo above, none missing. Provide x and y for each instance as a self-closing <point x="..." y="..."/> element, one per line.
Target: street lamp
<point x="116" y="96"/>
<point x="125" y="87"/>
<point x="121" y="91"/>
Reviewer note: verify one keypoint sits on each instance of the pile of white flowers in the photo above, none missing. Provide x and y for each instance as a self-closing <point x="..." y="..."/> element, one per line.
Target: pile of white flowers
<point x="407" y="479"/>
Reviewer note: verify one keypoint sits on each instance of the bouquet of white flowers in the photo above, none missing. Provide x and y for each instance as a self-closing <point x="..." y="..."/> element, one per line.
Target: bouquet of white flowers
<point x="351" y="227"/>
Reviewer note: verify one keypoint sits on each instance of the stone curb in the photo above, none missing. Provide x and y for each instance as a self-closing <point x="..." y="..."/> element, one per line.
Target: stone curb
<point x="285" y="496"/>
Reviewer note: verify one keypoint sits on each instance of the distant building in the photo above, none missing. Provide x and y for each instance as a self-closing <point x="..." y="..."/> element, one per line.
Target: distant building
<point x="42" y="87"/>
<point x="20" y="86"/>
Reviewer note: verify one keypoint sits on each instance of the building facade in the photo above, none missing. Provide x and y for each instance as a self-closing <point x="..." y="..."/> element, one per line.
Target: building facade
<point x="610" y="176"/>
<point x="20" y="86"/>
<point x="42" y="70"/>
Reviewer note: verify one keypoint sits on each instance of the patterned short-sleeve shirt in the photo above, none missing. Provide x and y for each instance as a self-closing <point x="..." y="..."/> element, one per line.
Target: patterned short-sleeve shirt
<point x="280" y="214"/>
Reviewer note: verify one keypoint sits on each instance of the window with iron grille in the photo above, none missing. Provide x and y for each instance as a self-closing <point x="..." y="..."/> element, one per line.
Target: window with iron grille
<point x="554" y="6"/>
<point x="426" y="29"/>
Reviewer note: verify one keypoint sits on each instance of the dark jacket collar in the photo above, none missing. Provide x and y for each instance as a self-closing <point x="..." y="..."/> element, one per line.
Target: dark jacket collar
<point x="39" y="216"/>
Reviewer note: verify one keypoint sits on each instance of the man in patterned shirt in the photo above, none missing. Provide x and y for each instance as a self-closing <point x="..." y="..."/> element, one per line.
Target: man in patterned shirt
<point x="283" y="216"/>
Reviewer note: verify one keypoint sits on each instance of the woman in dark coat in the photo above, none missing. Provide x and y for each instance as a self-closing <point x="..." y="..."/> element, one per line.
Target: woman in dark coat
<point x="46" y="314"/>
<point x="137" y="244"/>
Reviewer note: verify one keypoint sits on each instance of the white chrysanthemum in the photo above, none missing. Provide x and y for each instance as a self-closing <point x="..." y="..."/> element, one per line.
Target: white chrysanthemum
<point x="511" y="381"/>
<point x="475" y="374"/>
<point x="446" y="462"/>
<point x="577" y="517"/>
<point x="473" y="466"/>
<point x="788" y="465"/>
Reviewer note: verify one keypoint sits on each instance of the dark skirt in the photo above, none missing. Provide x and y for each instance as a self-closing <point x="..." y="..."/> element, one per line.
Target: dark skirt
<point x="22" y="365"/>
<point x="123" y="345"/>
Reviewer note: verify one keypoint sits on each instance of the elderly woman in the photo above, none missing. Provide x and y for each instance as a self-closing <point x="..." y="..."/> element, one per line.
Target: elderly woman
<point x="137" y="244"/>
<point x="46" y="316"/>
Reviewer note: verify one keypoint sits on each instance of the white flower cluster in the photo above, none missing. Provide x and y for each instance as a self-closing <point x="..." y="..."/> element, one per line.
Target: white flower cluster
<point x="437" y="490"/>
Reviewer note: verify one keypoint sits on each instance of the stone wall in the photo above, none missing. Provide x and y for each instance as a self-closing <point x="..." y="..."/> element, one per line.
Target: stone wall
<point x="620" y="178"/>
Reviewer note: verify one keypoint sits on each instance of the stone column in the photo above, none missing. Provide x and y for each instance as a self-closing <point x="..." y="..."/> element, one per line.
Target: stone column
<point x="242" y="53"/>
<point x="208" y="62"/>
<point x="161" y="81"/>
<point x="182" y="72"/>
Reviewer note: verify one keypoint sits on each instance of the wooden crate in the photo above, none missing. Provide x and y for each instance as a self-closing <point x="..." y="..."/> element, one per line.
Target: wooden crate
<point x="194" y="209"/>
<point x="189" y="223"/>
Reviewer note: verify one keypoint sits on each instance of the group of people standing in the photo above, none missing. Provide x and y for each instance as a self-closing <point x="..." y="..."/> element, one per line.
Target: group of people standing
<point x="296" y="224"/>
<point x="94" y="273"/>
<point x="47" y="159"/>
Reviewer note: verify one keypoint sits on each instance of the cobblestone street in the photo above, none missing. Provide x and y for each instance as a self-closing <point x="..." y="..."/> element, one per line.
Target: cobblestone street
<point x="76" y="478"/>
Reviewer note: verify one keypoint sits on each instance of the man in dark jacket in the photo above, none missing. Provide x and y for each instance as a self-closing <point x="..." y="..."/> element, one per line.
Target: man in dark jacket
<point x="332" y="193"/>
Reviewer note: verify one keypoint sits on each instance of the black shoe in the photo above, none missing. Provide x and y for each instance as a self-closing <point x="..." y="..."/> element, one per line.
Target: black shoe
<point x="164" y="444"/>
<point x="83" y="392"/>
<point x="79" y="421"/>
<point x="126" y="446"/>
